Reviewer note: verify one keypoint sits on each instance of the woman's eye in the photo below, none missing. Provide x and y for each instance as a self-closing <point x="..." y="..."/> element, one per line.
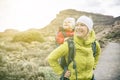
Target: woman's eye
<point x="82" y="25"/>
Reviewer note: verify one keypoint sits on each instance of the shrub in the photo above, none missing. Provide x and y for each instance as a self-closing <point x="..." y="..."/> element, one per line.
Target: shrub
<point x="113" y="35"/>
<point x="26" y="71"/>
<point x="1" y="58"/>
<point x="28" y="36"/>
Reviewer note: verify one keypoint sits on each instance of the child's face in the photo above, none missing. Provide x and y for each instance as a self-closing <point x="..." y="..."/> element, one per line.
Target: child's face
<point x="67" y="24"/>
<point x="81" y="30"/>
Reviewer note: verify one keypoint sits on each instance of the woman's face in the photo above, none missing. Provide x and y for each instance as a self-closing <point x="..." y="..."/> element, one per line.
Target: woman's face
<point x="81" y="30"/>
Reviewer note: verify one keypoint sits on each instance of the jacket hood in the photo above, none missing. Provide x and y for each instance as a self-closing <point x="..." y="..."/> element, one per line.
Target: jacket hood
<point x="90" y="39"/>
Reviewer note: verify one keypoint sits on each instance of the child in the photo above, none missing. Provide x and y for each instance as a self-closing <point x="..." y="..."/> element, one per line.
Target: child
<point x="66" y="31"/>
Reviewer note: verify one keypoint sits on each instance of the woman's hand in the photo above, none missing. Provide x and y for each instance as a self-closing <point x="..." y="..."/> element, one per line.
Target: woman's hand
<point x="67" y="74"/>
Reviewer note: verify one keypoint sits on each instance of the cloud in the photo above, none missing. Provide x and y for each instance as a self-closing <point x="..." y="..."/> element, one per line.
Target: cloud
<point x="93" y="3"/>
<point x="28" y="13"/>
<point x="107" y="7"/>
<point x="116" y="2"/>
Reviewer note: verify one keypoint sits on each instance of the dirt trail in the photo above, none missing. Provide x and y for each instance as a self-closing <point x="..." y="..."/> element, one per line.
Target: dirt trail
<point x="108" y="67"/>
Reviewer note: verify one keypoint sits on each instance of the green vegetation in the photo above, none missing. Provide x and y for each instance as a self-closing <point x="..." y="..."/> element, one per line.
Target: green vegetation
<point x="28" y="36"/>
<point x="22" y="56"/>
<point x="26" y="71"/>
<point x="113" y="35"/>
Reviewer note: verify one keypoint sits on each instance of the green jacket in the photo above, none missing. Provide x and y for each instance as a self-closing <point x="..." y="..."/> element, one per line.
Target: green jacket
<point x="84" y="57"/>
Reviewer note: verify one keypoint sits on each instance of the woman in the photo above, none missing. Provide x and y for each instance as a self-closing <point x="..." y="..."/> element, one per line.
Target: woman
<point x="84" y="36"/>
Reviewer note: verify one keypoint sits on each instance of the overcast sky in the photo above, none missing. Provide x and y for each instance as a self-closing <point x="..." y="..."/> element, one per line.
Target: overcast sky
<point x="25" y="14"/>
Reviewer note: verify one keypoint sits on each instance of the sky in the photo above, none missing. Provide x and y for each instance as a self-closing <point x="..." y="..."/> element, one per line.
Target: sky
<point x="26" y="14"/>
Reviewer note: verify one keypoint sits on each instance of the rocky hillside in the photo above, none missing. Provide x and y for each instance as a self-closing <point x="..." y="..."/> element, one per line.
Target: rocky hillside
<point x="98" y="19"/>
<point x="114" y="33"/>
<point x="103" y="24"/>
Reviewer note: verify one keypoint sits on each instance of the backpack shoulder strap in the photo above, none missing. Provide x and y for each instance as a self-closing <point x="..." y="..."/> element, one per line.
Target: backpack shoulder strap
<point x="71" y="50"/>
<point x="63" y="62"/>
<point x="94" y="48"/>
<point x="71" y="55"/>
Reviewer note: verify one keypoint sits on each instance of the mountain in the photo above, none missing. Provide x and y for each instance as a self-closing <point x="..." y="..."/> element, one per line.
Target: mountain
<point x="117" y="18"/>
<point x="98" y="19"/>
<point x="107" y="27"/>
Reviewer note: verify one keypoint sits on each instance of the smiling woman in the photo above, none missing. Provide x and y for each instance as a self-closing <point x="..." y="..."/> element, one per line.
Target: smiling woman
<point x="24" y="14"/>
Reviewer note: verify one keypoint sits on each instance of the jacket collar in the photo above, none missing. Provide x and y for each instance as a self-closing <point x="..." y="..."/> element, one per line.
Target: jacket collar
<point x="90" y="39"/>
